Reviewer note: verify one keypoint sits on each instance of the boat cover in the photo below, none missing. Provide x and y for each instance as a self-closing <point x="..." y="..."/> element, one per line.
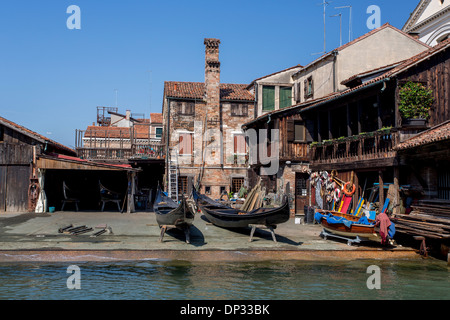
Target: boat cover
<point x="331" y="219"/>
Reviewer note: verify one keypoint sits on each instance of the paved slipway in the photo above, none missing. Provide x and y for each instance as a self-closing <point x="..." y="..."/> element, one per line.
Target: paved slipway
<point x="35" y="237"/>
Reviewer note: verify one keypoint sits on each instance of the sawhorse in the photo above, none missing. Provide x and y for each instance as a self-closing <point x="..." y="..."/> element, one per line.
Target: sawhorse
<point x="262" y="226"/>
<point x="164" y="228"/>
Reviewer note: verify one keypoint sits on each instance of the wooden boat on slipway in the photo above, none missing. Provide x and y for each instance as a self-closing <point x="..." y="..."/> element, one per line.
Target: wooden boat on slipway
<point x="170" y="214"/>
<point x="227" y="217"/>
<point x="352" y="231"/>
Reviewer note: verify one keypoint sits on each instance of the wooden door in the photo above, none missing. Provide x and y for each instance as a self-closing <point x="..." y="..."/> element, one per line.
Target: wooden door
<point x="14" y="182"/>
<point x="301" y="192"/>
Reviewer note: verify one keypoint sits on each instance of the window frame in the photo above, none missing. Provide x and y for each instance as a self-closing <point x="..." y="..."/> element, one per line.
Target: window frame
<point x="264" y="96"/>
<point x="240" y="107"/>
<point x="303" y="124"/>
<point x="191" y="134"/>
<point x="309" y="87"/>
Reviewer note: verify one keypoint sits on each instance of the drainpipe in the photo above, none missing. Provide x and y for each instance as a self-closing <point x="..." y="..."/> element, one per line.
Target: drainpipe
<point x="335" y="54"/>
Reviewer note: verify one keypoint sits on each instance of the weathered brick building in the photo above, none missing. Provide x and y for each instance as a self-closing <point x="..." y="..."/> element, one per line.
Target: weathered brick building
<point x="202" y="130"/>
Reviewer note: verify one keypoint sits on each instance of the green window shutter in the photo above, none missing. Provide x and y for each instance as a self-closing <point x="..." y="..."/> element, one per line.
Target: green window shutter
<point x="268" y="98"/>
<point x="285" y="97"/>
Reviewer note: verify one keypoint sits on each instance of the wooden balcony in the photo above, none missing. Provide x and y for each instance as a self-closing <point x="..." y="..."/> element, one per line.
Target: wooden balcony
<point x="362" y="151"/>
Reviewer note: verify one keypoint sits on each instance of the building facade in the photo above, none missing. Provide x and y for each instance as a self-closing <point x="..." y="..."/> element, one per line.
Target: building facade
<point x="430" y="21"/>
<point x="202" y="131"/>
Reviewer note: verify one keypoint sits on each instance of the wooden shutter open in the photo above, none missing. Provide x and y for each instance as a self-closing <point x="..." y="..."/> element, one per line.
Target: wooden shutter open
<point x="290" y="130"/>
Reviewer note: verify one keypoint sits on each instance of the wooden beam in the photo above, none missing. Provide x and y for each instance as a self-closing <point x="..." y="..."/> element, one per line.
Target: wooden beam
<point x="330" y="134"/>
<point x="380" y="122"/>
<point x="381" y="189"/>
<point x="396" y="200"/>
<point x="359" y="107"/>
<point x="349" y="129"/>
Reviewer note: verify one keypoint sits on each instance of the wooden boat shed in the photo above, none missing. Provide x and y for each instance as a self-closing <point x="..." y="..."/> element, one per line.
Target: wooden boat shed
<point x="33" y="167"/>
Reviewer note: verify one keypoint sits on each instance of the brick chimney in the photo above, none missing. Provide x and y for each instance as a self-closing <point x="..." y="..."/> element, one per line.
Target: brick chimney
<point x="212" y="78"/>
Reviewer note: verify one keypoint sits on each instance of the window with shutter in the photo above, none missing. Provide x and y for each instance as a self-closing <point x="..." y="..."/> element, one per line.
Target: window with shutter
<point x="297" y="92"/>
<point x="239" y="110"/>
<point x="309" y="88"/>
<point x="285" y="97"/>
<point x="186" y="108"/>
<point x="290" y="130"/>
<point x="240" y="146"/>
<point x="185" y="144"/>
<point x="268" y="98"/>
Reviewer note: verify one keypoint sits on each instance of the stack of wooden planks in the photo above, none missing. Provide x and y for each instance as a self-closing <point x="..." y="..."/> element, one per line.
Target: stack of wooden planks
<point x="429" y="218"/>
<point x="254" y="199"/>
<point x="437" y="208"/>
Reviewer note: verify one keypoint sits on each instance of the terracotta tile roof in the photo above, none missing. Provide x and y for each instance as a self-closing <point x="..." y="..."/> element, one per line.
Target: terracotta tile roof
<point x="438" y="133"/>
<point x="34" y="135"/>
<point x="372" y="72"/>
<point x="156" y="118"/>
<point x="141" y="132"/>
<point x="196" y="90"/>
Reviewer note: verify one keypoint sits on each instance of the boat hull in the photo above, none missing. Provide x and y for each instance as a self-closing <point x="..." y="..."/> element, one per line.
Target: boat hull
<point x="169" y="213"/>
<point x="365" y="232"/>
<point x="226" y="217"/>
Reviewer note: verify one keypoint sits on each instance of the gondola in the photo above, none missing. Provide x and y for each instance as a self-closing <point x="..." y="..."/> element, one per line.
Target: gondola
<point x="171" y="214"/>
<point x="227" y="217"/>
<point x="347" y="226"/>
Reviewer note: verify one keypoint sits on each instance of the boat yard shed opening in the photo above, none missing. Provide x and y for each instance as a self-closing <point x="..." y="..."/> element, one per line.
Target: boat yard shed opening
<point x="83" y="179"/>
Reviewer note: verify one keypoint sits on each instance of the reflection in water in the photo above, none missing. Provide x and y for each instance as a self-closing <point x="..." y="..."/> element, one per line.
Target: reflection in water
<point x="156" y="280"/>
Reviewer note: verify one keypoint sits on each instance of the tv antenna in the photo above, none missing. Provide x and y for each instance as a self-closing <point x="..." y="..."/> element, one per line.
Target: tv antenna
<point x="350" y="28"/>
<point x="324" y="4"/>
<point x="340" y="27"/>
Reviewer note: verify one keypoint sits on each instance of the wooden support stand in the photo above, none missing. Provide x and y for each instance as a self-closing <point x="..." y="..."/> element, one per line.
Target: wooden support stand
<point x="106" y="201"/>
<point x="423" y="245"/>
<point x="262" y="226"/>
<point x="164" y="228"/>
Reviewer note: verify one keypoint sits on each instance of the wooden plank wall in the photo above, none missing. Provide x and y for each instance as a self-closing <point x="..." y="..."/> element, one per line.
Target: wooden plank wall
<point x="292" y="151"/>
<point x="436" y="73"/>
<point x="15" y="154"/>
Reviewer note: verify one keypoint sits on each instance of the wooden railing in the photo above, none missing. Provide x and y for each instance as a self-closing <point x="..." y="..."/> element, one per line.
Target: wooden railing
<point x="154" y="150"/>
<point x="367" y="146"/>
<point x="148" y="151"/>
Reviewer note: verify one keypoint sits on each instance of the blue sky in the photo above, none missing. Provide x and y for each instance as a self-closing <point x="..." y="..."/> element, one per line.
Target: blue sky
<point x="52" y="78"/>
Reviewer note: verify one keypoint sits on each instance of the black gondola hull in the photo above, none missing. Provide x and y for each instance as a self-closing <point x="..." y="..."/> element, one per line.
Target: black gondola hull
<point x="169" y="212"/>
<point x="226" y="217"/>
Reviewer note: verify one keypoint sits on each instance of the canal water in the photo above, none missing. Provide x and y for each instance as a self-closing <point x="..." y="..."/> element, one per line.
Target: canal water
<point x="175" y="280"/>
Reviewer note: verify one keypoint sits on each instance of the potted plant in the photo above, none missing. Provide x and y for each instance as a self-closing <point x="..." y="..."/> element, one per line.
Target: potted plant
<point x="415" y="103"/>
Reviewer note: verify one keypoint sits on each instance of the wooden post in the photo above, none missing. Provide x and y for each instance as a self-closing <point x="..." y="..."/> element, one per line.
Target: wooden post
<point x="330" y="133"/>
<point x="319" y="134"/>
<point x="356" y="195"/>
<point x="359" y="107"/>
<point x="349" y="129"/>
<point x="131" y="192"/>
<point x="380" y="122"/>
<point x="396" y="200"/>
<point x="381" y="189"/>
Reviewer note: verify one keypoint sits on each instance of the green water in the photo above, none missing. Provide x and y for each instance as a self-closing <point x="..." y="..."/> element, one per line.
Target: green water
<point x="170" y="280"/>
